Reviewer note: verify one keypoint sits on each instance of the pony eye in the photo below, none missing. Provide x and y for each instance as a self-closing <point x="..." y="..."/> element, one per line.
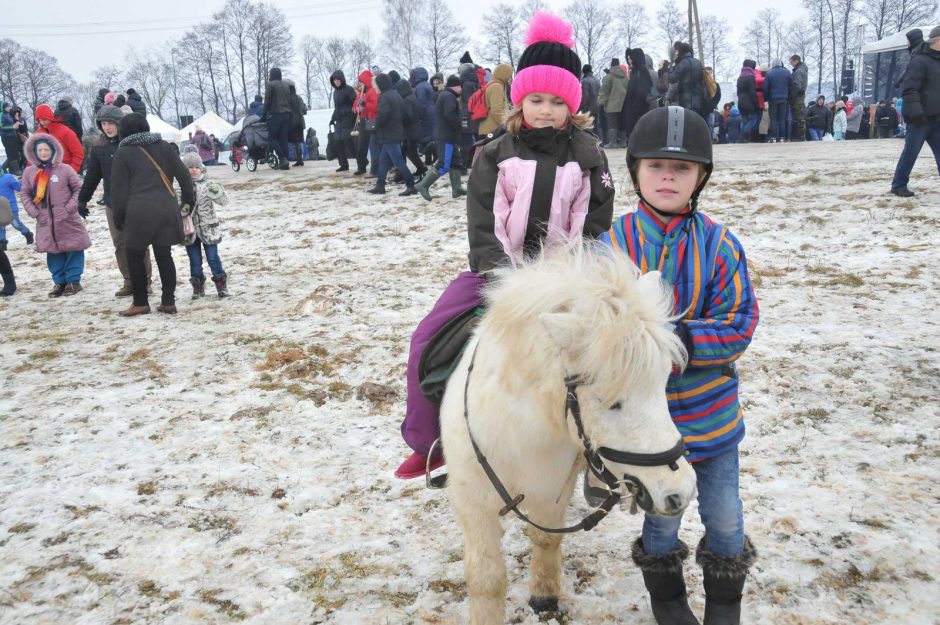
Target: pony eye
<point x="615" y="406"/>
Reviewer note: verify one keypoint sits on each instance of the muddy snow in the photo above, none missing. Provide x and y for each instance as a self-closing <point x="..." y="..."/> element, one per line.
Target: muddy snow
<point x="233" y="463"/>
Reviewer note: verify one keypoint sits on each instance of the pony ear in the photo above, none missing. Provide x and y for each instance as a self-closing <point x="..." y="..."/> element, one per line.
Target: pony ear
<point x="561" y="328"/>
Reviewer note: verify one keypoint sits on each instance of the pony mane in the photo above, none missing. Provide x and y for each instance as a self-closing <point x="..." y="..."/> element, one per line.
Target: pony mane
<point x="626" y="334"/>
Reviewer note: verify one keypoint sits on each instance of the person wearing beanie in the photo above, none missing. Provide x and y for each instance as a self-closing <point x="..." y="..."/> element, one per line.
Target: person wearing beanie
<point x="920" y="93"/>
<point x="277" y="109"/>
<point x="256" y="106"/>
<point x="469" y="84"/>
<point x="206" y="233"/>
<point x="670" y="162"/>
<point x="100" y="158"/>
<point x="611" y="96"/>
<point x="515" y="205"/>
<point x="99" y="99"/>
<point x="390" y="131"/>
<point x="109" y="98"/>
<point x="119" y="100"/>
<point x="136" y="102"/>
<point x="748" y="105"/>
<point x="799" y="80"/>
<point x="147" y="208"/>
<point x="447" y="137"/>
<point x="685" y="79"/>
<point x="72" y="152"/>
<point x="590" y="89"/>
<point x="50" y="196"/>
<point x="466" y="58"/>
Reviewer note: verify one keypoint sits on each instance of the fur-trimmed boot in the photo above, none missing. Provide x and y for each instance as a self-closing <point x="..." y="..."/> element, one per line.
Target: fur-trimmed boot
<point x="456" y="190"/>
<point x="220" y="284"/>
<point x="724" y="582"/>
<point x="199" y="287"/>
<point x="665" y="583"/>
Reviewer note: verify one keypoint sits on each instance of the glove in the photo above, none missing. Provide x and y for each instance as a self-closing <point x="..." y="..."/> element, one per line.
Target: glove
<point x="83" y="210"/>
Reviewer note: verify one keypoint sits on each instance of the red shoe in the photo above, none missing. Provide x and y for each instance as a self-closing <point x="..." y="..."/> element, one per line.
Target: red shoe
<point x="415" y="465"/>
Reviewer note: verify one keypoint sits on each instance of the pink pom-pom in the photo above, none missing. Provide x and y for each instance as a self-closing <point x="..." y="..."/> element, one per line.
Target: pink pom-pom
<point x="546" y="26"/>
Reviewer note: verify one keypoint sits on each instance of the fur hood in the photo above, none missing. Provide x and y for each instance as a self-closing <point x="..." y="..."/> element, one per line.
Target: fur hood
<point x="29" y="148"/>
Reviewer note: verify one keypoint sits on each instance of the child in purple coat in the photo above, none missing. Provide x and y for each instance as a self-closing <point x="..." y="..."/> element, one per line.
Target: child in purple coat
<point x="50" y="196"/>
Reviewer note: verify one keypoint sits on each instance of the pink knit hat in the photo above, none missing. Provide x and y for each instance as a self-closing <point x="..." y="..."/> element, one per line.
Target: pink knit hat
<point x="549" y="64"/>
<point x="109" y="98"/>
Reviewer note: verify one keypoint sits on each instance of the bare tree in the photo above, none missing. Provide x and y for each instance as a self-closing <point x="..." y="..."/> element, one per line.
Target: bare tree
<point x="403" y="24"/>
<point x="444" y="37"/>
<point x="504" y="34"/>
<point x="821" y="26"/>
<point x="151" y="76"/>
<point x="361" y="51"/>
<point x="593" y="33"/>
<point x="107" y="77"/>
<point x="311" y="53"/>
<point x="671" y="25"/>
<point x="909" y="13"/>
<point x="11" y="73"/>
<point x="43" y="80"/>
<point x="235" y="21"/>
<point x="271" y="43"/>
<point x="717" y="48"/>
<point x="528" y="8"/>
<point x="631" y="22"/>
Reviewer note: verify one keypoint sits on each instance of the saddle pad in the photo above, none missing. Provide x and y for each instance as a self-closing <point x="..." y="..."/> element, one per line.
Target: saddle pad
<point x="443" y="353"/>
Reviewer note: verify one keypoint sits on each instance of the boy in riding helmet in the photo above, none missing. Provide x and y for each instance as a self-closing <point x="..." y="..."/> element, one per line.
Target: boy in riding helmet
<point x="540" y="179"/>
<point x="670" y="161"/>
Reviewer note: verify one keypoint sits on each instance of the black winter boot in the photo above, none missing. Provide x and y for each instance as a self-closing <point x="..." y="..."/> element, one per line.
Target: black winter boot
<point x="665" y="583"/>
<point x="220" y="285"/>
<point x="199" y="287"/>
<point x="9" y="284"/>
<point x="724" y="582"/>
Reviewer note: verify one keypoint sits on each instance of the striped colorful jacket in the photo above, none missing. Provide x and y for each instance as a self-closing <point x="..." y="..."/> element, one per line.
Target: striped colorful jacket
<point x="706" y="267"/>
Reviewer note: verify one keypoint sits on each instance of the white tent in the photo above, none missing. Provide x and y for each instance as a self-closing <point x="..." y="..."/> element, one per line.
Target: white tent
<point x="897" y="41"/>
<point x="168" y="132"/>
<point x="211" y="123"/>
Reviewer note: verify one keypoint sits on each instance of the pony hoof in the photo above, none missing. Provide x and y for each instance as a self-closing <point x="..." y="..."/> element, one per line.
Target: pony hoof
<point x="544" y="604"/>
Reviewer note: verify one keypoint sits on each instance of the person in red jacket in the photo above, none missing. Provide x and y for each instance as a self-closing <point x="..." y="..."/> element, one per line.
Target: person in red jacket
<point x="366" y="107"/>
<point x="72" y="151"/>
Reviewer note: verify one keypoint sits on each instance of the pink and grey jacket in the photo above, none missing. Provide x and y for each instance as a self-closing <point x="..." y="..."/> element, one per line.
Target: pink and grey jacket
<point x="544" y="184"/>
<point x="58" y="225"/>
<point x="706" y="267"/>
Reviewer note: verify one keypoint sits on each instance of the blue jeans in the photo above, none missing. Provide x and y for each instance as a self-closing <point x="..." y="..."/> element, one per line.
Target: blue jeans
<point x="445" y="159"/>
<point x="778" y="119"/>
<point x="390" y="154"/>
<point x="749" y="122"/>
<point x="194" y="252"/>
<point x="913" y="143"/>
<point x="66" y="267"/>
<point x="19" y="225"/>
<point x="719" y="505"/>
<point x="816" y="134"/>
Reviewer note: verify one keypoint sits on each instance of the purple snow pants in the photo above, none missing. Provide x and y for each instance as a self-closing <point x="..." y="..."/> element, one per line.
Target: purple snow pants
<point x="421" y="427"/>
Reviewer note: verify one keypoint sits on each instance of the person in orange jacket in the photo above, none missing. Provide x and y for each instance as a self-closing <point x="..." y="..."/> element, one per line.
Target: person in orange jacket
<point x="72" y="152"/>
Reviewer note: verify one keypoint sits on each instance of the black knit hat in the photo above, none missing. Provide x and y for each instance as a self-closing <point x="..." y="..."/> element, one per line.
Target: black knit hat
<point x="466" y="57"/>
<point x="614" y="62"/>
<point x="587" y="69"/>
<point x="452" y="81"/>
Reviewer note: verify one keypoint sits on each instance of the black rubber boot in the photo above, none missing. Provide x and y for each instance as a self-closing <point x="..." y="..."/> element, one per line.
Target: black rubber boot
<point x="665" y="583"/>
<point x="9" y="283"/>
<point x="724" y="578"/>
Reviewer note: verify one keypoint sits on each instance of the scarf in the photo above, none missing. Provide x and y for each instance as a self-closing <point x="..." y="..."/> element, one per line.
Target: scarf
<point x="140" y="138"/>
<point x="42" y="181"/>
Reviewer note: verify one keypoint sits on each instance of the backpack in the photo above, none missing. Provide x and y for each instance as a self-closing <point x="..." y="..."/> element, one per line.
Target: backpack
<point x="709" y="85"/>
<point x="476" y="105"/>
<point x="6" y="212"/>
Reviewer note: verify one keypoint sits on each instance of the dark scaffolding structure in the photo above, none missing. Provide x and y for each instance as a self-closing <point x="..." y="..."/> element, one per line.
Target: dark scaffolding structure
<point x="882" y="72"/>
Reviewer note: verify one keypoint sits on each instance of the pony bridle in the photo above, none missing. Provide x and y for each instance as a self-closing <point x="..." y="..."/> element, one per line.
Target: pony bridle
<point x="595" y="457"/>
<point x="595" y="461"/>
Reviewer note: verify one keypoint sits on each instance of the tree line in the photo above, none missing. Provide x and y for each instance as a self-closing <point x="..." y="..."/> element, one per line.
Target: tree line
<point x="220" y="64"/>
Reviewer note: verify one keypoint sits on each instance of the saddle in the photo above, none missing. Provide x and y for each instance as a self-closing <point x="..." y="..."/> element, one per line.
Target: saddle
<point x="443" y="352"/>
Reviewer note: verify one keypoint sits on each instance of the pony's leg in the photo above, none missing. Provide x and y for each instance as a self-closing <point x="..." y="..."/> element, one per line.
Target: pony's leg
<point x="545" y="581"/>
<point x="483" y="564"/>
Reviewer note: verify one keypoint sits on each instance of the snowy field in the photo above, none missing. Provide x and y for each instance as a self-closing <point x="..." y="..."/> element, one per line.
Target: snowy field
<point x="233" y="463"/>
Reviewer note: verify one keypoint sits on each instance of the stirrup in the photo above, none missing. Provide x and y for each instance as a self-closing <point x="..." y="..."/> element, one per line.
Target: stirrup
<point x="438" y="481"/>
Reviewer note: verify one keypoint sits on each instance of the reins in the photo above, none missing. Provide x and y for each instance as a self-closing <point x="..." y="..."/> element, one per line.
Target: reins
<point x="595" y="463"/>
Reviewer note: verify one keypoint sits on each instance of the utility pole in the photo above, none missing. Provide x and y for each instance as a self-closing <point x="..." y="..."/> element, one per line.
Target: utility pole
<point x="695" y="30"/>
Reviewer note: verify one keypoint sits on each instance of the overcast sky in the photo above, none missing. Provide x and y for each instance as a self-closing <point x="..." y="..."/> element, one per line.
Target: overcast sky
<point x="85" y="35"/>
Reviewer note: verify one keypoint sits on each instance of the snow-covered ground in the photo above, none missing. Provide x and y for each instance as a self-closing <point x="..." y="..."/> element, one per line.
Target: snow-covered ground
<point x="234" y="462"/>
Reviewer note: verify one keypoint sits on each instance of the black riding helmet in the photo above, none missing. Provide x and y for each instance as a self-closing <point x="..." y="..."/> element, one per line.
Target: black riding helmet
<point x="673" y="133"/>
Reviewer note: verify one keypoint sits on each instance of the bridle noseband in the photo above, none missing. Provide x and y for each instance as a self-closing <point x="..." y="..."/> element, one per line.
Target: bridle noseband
<point x="595" y="462"/>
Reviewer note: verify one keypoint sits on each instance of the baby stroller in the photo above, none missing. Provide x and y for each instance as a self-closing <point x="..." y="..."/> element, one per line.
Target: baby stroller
<point x="254" y="137"/>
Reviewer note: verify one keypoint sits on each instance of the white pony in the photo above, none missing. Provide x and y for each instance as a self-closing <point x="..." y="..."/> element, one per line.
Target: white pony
<point x="572" y="313"/>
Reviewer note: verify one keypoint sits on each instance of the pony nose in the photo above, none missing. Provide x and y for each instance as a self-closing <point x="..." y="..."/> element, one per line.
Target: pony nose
<point x="673" y="503"/>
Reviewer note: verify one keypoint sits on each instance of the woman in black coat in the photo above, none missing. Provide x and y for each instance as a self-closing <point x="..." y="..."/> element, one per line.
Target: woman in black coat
<point x="295" y="131"/>
<point x="411" y="121"/>
<point x="146" y="208"/>
<point x="636" y="103"/>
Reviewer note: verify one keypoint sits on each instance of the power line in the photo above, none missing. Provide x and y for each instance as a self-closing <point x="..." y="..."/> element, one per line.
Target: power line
<point x="355" y="5"/>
